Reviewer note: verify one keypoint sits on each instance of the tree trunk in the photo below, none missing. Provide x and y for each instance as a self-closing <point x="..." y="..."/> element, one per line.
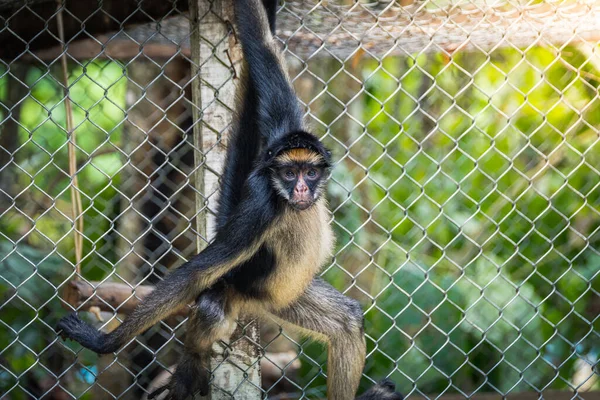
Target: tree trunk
<point x="236" y="371"/>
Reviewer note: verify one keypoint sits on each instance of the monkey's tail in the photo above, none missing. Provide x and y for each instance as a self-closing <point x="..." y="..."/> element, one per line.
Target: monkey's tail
<point x="177" y="290"/>
<point x="278" y="109"/>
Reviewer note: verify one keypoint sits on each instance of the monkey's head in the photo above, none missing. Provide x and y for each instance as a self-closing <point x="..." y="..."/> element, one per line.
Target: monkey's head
<point x="300" y="167"/>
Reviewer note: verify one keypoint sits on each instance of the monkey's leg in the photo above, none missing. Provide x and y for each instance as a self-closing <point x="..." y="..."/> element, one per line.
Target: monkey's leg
<point x="338" y="320"/>
<point x="212" y="319"/>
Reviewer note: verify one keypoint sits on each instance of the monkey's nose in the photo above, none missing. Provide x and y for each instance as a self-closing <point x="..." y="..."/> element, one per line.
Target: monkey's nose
<point x="301" y="189"/>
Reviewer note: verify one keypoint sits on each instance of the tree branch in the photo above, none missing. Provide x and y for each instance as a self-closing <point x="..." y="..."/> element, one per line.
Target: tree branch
<point x="110" y="296"/>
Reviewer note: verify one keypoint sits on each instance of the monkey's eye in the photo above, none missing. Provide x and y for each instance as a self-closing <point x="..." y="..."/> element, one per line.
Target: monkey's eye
<point x="312" y="173"/>
<point x="289" y="175"/>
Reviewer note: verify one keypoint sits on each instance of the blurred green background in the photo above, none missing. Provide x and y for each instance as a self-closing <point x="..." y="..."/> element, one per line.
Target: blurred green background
<point x="465" y="198"/>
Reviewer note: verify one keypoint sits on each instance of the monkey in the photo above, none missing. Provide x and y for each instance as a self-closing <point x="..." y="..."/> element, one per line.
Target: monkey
<point x="273" y="235"/>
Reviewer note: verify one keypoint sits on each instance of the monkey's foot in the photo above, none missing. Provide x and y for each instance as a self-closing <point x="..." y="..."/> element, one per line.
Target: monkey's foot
<point x="187" y="381"/>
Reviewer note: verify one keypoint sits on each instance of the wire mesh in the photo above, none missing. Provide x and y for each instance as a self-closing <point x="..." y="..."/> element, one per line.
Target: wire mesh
<point x="465" y="196"/>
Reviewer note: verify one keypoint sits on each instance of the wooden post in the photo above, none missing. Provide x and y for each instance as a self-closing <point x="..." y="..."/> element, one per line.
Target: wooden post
<point x="236" y="370"/>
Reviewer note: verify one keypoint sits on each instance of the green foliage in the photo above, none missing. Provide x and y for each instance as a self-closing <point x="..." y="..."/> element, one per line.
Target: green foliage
<point x="36" y="239"/>
<point x="485" y="217"/>
<point x="466" y="204"/>
<point x="97" y="91"/>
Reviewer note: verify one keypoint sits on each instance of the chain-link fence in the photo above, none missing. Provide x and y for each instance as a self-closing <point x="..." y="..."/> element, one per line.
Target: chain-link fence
<point x="465" y="195"/>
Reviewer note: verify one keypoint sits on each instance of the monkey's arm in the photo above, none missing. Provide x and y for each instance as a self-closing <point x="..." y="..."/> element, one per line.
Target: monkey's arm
<point x="235" y="243"/>
<point x="244" y="140"/>
<point x="277" y="107"/>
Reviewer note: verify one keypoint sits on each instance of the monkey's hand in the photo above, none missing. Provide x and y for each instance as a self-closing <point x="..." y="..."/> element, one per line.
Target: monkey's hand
<point x="72" y="327"/>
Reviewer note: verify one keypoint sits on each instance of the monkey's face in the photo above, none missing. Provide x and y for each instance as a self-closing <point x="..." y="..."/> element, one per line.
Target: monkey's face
<point x="299" y="177"/>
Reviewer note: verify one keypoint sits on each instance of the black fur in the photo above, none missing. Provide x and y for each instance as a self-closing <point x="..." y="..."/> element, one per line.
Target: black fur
<point x="297" y="140"/>
<point x="271" y="8"/>
<point x="192" y="375"/>
<point x="86" y="335"/>
<point x="276" y="110"/>
<point x="384" y="390"/>
<point x="189" y="378"/>
<point x="241" y="232"/>
<point x="267" y="111"/>
<point x="247" y="278"/>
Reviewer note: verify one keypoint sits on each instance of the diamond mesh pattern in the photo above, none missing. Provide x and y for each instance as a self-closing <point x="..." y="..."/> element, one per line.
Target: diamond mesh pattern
<point x="465" y="197"/>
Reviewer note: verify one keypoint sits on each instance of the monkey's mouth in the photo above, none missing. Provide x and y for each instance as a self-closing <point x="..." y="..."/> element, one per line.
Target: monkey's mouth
<point x="301" y="205"/>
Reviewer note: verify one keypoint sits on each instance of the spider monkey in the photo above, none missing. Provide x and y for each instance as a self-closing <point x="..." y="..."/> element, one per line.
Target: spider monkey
<point x="272" y="236"/>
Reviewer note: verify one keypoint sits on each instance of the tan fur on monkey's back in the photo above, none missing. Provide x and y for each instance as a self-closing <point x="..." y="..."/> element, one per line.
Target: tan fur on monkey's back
<point x="302" y="242"/>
